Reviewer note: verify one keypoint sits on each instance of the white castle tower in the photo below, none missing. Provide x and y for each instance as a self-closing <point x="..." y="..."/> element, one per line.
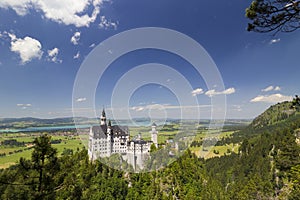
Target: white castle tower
<point x="154" y="133"/>
<point x="109" y="139"/>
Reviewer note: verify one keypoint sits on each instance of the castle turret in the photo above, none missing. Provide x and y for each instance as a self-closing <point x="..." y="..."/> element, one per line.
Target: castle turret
<point x="154" y="134"/>
<point x="109" y="127"/>
<point x="109" y="139"/>
<point x="103" y="118"/>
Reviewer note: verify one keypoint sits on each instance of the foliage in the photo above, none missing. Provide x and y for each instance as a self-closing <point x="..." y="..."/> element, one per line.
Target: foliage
<point x="296" y="103"/>
<point x="267" y="166"/>
<point x="274" y="114"/>
<point x="273" y="15"/>
<point x="12" y="142"/>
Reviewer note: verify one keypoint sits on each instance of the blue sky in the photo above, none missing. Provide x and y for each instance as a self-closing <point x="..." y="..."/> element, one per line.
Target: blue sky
<point x="43" y="45"/>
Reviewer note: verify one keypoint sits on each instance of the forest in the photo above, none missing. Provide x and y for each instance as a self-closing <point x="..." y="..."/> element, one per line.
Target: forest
<point x="267" y="166"/>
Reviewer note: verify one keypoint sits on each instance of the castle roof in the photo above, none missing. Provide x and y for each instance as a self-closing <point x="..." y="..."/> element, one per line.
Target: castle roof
<point x="141" y="141"/>
<point x="119" y="130"/>
<point x="99" y="131"/>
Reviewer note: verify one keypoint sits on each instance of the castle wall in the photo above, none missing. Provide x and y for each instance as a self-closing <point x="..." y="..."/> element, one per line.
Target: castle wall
<point x="111" y="139"/>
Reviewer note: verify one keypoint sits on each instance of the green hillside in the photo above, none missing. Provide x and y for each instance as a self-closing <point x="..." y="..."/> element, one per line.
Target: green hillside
<point x="266" y="166"/>
<point x="273" y="115"/>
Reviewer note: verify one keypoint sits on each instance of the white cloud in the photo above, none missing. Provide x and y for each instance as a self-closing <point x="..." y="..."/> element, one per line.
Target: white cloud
<point x="107" y="24"/>
<point x="20" y="6"/>
<point x="21" y="104"/>
<point x="229" y="91"/>
<point x="75" y="38"/>
<point x="213" y="92"/>
<point x="52" y="55"/>
<point x="274" y="98"/>
<point x="81" y="99"/>
<point x="138" y="108"/>
<point x="166" y="107"/>
<point x="197" y="91"/>
<point x="24" y="106"/>
<point x="28" y="48"/>
<point x="271" y="88"/>
<point x="53" y="52"/>
<point x="277" y="88"/>
<point x="274" y="41"/>
<point x="267" y="89"/>
<point x="77" y="55"/>
<point x="62" y="11"/>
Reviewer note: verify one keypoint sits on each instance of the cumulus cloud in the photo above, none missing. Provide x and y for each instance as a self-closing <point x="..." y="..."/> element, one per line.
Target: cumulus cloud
<point x="213" y="92"/>
<point x="28" y="48"/>
<point x="274" y="41"/>
<point x="197" y="92"/>
<point x="21" y="7"/>
<point x="81" y="99"/>
<point x="271" y="88"/>
<point x="75" y="38"/>
<point x="52" y="55"/>
<point x="62" y="11"/>
<point x="274" y="98"/>
<point x="106" y="24"/>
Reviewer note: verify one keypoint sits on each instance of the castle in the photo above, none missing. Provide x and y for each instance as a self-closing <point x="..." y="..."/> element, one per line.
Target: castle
<point x="106" y="140"/>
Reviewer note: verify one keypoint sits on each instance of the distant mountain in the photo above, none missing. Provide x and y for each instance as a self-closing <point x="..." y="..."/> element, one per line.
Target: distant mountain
<point x="273" y="115"/>
<point x="37" y="122"/>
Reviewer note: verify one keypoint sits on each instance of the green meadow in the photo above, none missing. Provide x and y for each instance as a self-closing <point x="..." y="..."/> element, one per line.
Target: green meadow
<point x="12" y="158"/>
<point x="14" y="153"/>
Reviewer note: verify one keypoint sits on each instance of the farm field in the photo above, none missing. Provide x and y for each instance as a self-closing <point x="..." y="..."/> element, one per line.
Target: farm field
<point x="214" y="151"/>
<point x="14" y="153"/>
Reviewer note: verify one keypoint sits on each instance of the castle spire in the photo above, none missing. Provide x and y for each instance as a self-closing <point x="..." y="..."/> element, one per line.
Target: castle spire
<point x="103" y="113"/>
<point x="103" y="118"/>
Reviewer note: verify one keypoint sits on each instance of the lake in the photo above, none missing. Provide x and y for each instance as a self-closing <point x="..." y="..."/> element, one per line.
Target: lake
<point x="57" y="128"/>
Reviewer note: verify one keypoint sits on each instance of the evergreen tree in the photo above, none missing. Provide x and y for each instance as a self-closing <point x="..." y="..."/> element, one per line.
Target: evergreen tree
<point x="273" y="15"/>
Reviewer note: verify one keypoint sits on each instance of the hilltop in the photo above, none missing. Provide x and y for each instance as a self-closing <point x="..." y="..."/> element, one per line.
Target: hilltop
<point x="273" y="115"/>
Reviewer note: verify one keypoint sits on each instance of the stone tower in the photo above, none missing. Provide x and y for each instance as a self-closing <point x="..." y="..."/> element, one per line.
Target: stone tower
<point x="154" y="134"/>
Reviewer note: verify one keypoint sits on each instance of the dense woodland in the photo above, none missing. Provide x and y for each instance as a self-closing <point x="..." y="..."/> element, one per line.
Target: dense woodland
<point x="266" y="167"/>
